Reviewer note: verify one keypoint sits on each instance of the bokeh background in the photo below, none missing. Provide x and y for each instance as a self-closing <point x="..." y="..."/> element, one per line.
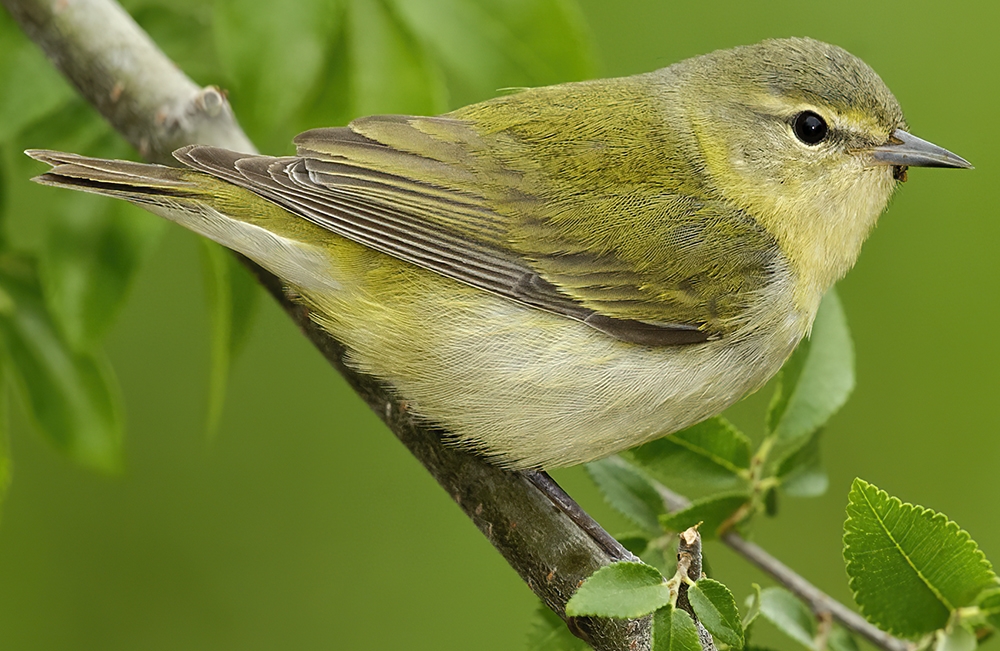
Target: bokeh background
<point x="303" y="524"/>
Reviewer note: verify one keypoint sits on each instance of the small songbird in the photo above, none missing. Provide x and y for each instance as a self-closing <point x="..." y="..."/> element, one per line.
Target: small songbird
<point x="561" y="273"/>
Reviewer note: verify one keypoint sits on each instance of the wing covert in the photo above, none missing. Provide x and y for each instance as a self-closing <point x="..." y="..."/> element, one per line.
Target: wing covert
<point x="429" y="192"/>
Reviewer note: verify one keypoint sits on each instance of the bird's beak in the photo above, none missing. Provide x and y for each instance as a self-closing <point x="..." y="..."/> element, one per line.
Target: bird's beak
<point x="906" y="150"/>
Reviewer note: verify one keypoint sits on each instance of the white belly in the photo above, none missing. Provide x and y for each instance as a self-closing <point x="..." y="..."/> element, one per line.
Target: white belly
<point x="524" y="387"/>
<point x="532" y="389"/>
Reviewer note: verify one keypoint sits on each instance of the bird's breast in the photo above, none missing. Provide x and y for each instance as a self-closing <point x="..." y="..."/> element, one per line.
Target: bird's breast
<point x="532" y="389"/>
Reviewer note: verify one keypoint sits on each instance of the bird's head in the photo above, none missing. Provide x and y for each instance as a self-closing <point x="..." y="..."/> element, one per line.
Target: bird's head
<point x="806" y="138"/>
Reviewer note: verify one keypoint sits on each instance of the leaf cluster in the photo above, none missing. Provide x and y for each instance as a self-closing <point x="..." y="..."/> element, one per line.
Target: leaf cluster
<point x="715" y="462"/>
<point x="633" y="590"/>
<point x="913" y="572"/>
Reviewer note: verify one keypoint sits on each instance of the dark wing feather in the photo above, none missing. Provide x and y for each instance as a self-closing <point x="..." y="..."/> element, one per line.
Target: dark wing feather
<point x="389" y="213"/>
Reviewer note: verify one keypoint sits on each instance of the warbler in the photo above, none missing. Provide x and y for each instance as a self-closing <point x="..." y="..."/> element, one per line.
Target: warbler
<point x="564" y="272"/>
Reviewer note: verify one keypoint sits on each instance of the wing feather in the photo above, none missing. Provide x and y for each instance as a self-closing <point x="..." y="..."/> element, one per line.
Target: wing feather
<point x="428" y="191"/>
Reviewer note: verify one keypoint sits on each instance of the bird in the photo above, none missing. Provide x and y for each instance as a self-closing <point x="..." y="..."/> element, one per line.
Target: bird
<point x="560" y="273"/>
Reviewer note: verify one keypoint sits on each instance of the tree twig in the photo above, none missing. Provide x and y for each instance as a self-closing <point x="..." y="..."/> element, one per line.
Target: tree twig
<point x="545" y="536"/>
<point x="821" y="604"/>
<point x="689" y="561"/>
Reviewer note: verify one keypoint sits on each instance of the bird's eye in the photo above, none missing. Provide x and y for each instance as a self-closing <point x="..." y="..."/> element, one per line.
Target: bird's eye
<point x="810" y="128"/>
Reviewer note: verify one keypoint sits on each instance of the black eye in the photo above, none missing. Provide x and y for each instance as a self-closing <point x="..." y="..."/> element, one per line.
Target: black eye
<point x="810" y="128"/>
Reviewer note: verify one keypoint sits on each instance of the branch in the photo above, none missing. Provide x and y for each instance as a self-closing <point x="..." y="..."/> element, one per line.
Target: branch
<point x="821" y="604"/>
<point x="689" y="562"/>
<point x="544" y="535"/>
<point x="115" y="66"/>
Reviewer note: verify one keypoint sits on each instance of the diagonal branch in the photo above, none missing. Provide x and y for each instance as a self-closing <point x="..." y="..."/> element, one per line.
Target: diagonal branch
<point x="544" y="535"/>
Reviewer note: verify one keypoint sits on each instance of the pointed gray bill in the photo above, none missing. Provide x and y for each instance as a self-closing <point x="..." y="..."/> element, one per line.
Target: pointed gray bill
<point x="910" y="151"/>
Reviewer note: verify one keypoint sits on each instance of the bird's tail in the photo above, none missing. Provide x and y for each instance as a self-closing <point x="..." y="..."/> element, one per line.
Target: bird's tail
<point x="137" y="182"/>
<point x="234" y="217"/>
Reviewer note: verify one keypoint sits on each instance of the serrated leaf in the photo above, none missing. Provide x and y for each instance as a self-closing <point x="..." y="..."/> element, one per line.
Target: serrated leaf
<point x="909" y="567"/>
<point x="232" y="295"/>
<point x="624" y="590"/>
<point x="801" y="472"/>
<point x="674" y="630"/>
<point x="72" y="396"/>
<point x="629" y="492"/>
<point x="789" y="615"/>
<point x="711" y="456"/>
<point x="712" y="512"/>
<point x="549" y="633"/>
<point x="716" y="609"/>
<point x="818" y="379"/>
<point x="958" y="638"/>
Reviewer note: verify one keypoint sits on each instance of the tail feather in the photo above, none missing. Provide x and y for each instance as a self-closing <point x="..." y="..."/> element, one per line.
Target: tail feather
<point x="110" y="177"/>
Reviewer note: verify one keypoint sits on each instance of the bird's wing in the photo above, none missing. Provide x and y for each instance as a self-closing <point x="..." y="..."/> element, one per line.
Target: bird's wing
<point x="432" y="192"/>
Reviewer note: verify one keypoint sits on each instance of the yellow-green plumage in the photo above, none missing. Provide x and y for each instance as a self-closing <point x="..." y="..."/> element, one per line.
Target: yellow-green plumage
<point x="561" y="273"/>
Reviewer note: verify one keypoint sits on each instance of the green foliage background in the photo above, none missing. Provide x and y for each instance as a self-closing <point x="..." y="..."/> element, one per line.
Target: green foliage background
<point x="303" y="523"/>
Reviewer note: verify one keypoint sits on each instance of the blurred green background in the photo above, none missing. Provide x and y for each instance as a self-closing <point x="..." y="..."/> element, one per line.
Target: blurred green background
<point x="303" y="524"/>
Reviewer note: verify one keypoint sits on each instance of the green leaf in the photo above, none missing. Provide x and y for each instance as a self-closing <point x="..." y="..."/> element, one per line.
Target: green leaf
<point x="634" y="541"/>
<point x="909" y="567"/>
<point x="640" y="544"/>
<point x="771" y="501"/>
<point x="817" y="379"/>
<point x="711" y="456"/>
<point x="841" y="640"/>
<point x="716" y="609"/>
<point x="674" y="630"/>
<point x="232" y="297"/>
<point x="31" y="86"/>
<point x="93" y="253"/>
<point x="800" y="471"/>
<point x="90" y="248"/>
<point x="624" y="590"/>
<point x="272" y="60"/>
<point x="483" y="45"/>
<point x="789" y="615"/>
<point x="629" y="492"/>
<point x="958" y="638"/>
<point x="989" y="604"/>
<point x="72" y="396"/>
<point x="549" y="633"/>
<point x="712" y="512"/>
<point x="391" y="71"/>
<point x="185" y="31"/>
<point x="753" y="608"/>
